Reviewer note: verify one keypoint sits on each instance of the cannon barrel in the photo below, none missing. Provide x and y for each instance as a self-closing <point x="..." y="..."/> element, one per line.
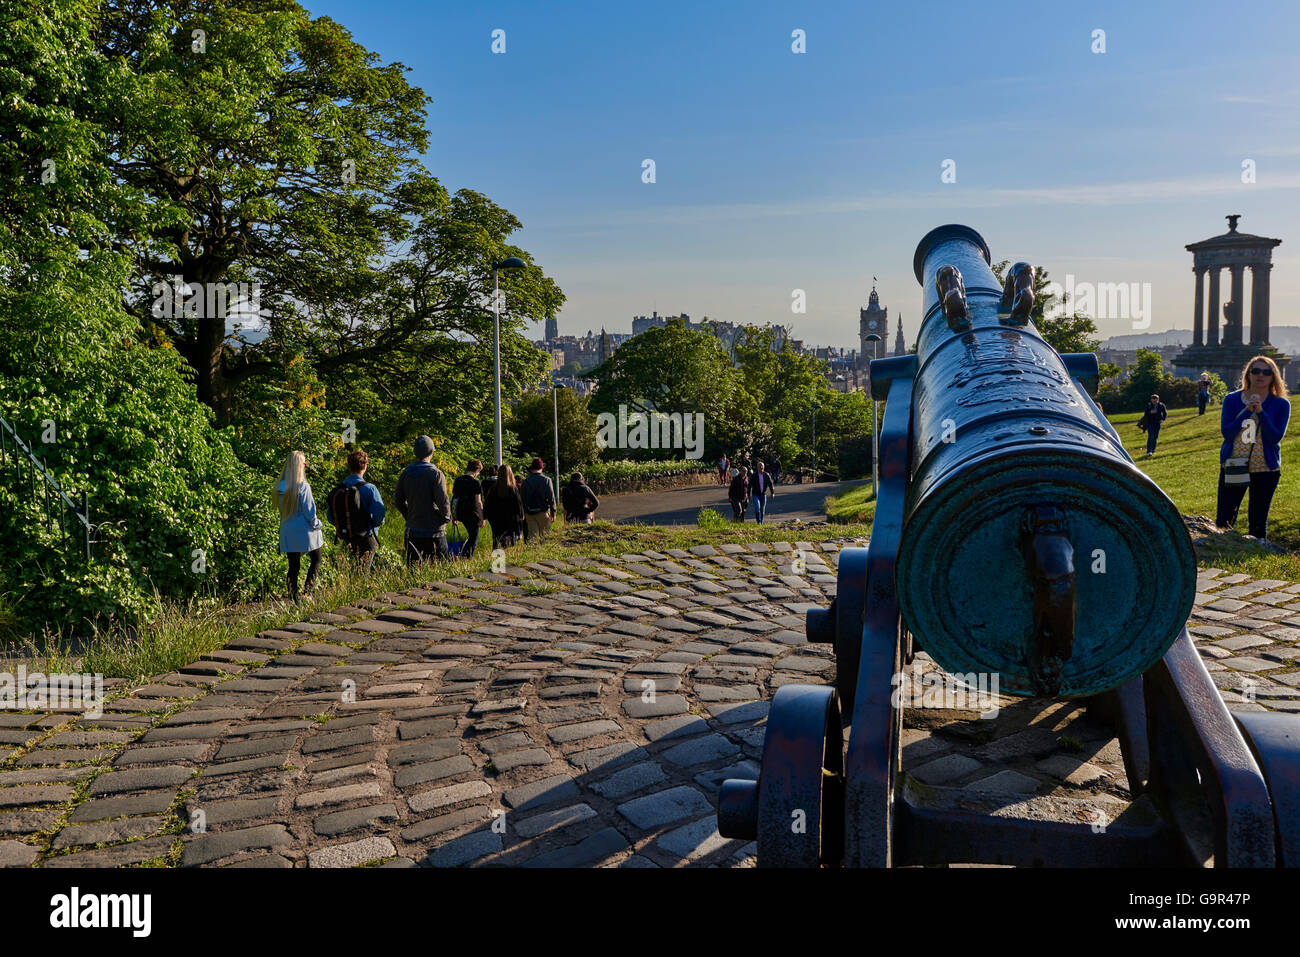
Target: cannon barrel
<point x="1032" y="547"/>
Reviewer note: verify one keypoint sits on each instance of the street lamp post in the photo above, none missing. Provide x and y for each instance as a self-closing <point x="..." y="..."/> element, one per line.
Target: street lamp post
<point x="514" y="262"/>
<point x="814" y="443"/>
<point x="874" y="441"/>
<point x="555" y="408"/>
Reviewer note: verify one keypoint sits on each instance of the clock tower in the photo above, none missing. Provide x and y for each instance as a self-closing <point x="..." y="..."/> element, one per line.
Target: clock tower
<point x="872" y="321"/>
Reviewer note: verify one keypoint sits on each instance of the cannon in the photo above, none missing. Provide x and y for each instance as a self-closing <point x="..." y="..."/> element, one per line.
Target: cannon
<point x="1014" y="537"/>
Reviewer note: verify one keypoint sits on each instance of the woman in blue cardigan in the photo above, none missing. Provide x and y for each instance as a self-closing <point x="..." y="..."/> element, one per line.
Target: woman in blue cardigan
<point x="1253" y="422"/>
<point x="300" y="529"/>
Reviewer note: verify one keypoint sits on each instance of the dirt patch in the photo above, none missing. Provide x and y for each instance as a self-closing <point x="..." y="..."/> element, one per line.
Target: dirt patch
<point x="1208" y="538"/>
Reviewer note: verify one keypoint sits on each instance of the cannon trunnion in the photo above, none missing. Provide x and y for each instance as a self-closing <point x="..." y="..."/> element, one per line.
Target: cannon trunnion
<point x="1013" y="538"/>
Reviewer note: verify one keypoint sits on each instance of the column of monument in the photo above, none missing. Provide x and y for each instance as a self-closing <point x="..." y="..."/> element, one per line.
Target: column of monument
<point x="1232" y="332"/>
<point x="1259" y="302"/>
<point x="1212" y="315"/>
<point x="1197" y="338"/>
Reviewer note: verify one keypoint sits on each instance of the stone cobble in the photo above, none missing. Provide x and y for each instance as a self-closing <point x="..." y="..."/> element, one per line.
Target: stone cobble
<point x="589" y="726"/>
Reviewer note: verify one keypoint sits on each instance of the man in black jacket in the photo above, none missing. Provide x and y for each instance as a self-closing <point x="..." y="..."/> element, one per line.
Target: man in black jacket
<point x="421" y="497"/>
<point x="467" y="493"/>
<point x="1152" y="417"/>
<point x="578" y="499"/>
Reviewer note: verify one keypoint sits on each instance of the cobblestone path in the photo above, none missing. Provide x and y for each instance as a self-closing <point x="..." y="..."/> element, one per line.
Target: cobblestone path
<point x="560" y="714"/>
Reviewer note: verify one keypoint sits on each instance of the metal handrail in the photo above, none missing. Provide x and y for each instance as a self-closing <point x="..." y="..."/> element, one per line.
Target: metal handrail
<point x="50" y="485"/>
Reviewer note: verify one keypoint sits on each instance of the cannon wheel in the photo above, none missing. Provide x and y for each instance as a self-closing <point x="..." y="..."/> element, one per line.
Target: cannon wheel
<point x="801" y="785"/>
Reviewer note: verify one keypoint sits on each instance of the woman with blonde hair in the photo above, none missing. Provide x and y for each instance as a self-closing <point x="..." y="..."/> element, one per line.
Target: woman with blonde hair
<point x="300" y="529"/>
<point x="1253" y="422"/>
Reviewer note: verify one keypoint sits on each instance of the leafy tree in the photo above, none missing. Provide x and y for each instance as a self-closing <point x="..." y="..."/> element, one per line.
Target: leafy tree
<point x="180" y="514"/>
<point x="674" y="369"/>
<point x="1075" y="332"/>
<point x="1144" y="378"/>
<point x="843" y="414"/>
<point x="279" y="151"/>
<point x="533" y="421"/>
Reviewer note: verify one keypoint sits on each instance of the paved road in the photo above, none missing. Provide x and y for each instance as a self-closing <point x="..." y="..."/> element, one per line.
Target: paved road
<point x="560" y="714"/>
<point x="681" y="506"/>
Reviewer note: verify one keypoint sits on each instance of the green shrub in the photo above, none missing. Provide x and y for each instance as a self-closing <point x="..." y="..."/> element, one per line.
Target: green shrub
<point x="179" y="513"/>
<point x="623" y="469"/>
<point x="710" y="520"/>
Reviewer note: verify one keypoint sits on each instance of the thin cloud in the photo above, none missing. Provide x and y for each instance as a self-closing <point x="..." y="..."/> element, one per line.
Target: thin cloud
<point x="1103" y="194"/>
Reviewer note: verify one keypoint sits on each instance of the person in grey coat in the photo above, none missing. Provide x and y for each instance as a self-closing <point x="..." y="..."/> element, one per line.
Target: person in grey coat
<point x="421" y="497"/>
<point x="300" y="528"/>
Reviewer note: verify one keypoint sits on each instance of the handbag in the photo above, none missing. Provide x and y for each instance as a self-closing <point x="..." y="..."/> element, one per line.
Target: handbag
<point x="1236" y="470"/>
<point x="456" y="542"/>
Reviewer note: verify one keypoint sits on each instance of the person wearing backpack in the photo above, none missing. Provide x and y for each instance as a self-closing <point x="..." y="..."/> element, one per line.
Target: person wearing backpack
<point x="579" y="500"/>
<point x="356" y="510"/>
<point x="300" y="529"/>
<point x="421" y="497"/>
<point x="467" y="505"/>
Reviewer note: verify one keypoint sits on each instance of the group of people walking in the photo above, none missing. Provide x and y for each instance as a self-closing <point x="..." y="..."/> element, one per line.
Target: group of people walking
<point x="750" y="488"/>
<point x="728" y="470"/>
<point x="511" y="508"/>
<point x="1253" y="421"/>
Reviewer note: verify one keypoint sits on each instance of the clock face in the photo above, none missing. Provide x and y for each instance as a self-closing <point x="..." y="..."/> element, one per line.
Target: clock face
<point x="871" y="324"/>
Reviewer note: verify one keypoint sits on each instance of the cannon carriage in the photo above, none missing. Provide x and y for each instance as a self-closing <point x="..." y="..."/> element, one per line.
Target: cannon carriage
<point x="1013" y="536"/>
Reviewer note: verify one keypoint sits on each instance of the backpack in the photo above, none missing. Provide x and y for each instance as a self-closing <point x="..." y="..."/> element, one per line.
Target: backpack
<point x="574" y="498"/>
<point x="350" y="518"/>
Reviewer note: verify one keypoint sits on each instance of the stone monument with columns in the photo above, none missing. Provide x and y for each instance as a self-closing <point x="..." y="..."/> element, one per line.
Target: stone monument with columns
<point x="1225" y="348"/>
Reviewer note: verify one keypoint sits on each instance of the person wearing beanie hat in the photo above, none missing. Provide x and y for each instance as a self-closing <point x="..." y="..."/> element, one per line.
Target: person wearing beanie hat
<point x="421" y="497"/>
<point x="539" y="501"/>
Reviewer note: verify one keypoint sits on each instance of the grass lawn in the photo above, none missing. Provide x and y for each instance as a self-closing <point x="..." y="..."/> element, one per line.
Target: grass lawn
<point x="181" y="632"/>
<point x="1186" y="466"/>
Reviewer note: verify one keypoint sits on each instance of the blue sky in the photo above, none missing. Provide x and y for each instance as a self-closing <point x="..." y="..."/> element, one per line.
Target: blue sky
<point x="778" y="171"/>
